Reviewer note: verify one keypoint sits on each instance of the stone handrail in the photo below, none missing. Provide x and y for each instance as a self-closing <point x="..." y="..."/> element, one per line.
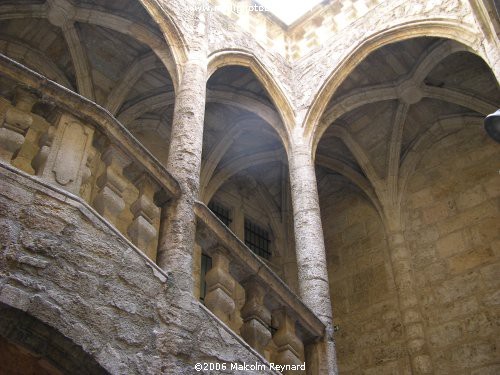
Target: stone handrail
<point x="270" y="308"/>
<point x="51" y="132"/>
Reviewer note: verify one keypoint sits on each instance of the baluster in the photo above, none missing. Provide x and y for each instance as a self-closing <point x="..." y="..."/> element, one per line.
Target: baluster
<point x="16" y="123"/>
<point x="256" y="317"/>
<point x="235" y="321"/>
<point x="289" y="348"/>
<point x="28" y="151"/>
<point x="220" y="286"/>
<point x="44" y="143"/>
<point x="109" y="201"/>
<point x="30" y="147"/>
<point x="142" y="230"/>
<point x="87" y="180"/>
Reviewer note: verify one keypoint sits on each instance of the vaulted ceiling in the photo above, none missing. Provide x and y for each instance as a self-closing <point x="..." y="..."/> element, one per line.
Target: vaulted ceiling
<point x="87" y="47"/>
<point x="240" y="146"/>
<point x="390" y="100"/>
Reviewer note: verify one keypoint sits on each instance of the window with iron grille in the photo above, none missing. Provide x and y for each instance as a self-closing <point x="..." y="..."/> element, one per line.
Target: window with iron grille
<point x="223" y="213"/>
<point x="206" y="264"/>
<point x="257" y="239"/>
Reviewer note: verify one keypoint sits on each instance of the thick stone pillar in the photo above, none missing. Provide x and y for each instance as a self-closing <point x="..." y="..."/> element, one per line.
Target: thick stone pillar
<point x="177" y="239"/>
<point x="310" y="246"/>
<point x="410" y="313"/>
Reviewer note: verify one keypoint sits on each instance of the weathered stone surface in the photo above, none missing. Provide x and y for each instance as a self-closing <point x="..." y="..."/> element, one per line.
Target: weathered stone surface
<point x="410" y="228"/>
<point x="456" y="289"/>
<point x="54" y="271"/>
<point x="70" y="145"/>
<point x="364" y="298"/>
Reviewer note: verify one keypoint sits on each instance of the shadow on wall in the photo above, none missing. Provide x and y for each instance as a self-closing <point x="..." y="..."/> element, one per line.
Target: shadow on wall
<point x="29" y="346"/>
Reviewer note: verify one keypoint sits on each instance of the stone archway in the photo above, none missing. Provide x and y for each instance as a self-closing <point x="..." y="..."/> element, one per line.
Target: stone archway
<point x="29" y="346"/>
<point x="443" y="29"/>
<point x="281" y="102"/>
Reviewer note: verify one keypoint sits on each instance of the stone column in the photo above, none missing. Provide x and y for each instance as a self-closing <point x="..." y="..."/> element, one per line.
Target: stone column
<point x="177" y="240"/>
<point x="309" y="245"/>
<point x="412" y="318"/>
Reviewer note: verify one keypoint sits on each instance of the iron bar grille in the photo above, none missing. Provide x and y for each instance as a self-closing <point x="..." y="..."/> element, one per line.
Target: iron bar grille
<point x="257" y="239"/>
<point x="221" y="212"/>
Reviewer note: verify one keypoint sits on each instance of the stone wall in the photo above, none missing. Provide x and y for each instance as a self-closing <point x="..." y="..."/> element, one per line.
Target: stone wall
<point x="452" y="219"/>
<point x="65" y="266"/>
<point x="451" y="214"/>
<point x="365" y="305"/>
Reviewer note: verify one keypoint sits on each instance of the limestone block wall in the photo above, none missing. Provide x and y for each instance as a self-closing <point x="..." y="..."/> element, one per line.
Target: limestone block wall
<point x="365" y="305"/>
<point x="452" y="220"/>
<point x="231" y="43"/>
<point x="325" y="20"/>
<point x="255" y="19"/>
<point x="65" y="266"/>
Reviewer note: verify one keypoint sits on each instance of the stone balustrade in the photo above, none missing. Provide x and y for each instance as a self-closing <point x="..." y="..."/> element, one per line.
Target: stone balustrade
<point x="272" y="320"/>
<point x="84" y="151"/>
<point x="75" y="145"/>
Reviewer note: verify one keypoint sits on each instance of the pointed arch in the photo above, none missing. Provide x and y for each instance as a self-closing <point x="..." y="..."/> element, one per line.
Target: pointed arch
<point x="220" y="59"/>
<point x="235" y="166"/>
<point x="384" y="92"/>
<point x="140" y="66"/>
<point x="172" y="34"/>
<point x="448" y="29"/>
<point x="244" y="101"/>
<point x="352" y="175"/>
<point x="436" y="131"/>
<point x="174" y="48"/>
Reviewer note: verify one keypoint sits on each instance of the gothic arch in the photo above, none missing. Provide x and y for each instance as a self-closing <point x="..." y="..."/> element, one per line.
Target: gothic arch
<point x="235" y="166"/>
<point x="448" y="29"/>
<point x="174" y="50"/>
<point x="34" y="339"/>
<point x="248" y="60"/>
<point x="171" y="32"/>
<point x="21" y="51"/>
